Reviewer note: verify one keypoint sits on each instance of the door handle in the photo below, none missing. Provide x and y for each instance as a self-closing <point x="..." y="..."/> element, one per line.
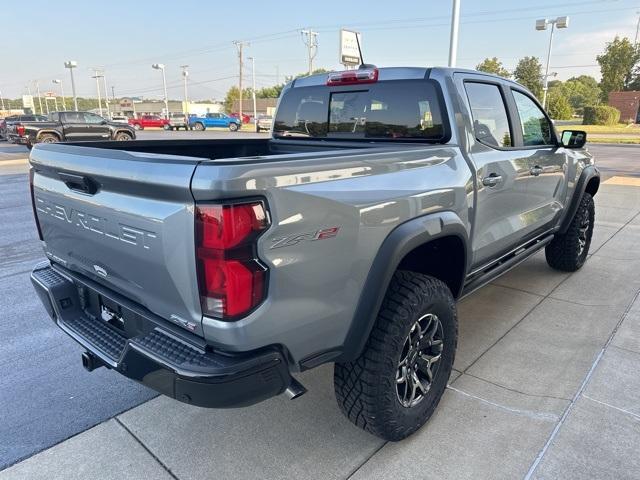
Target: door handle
<point x="492" y="180"/>
<point x="535" y="171"/>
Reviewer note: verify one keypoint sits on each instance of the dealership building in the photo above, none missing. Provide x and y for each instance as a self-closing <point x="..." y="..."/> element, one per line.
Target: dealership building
<point x="629" y="105"/>
<point x="132" y="107"/>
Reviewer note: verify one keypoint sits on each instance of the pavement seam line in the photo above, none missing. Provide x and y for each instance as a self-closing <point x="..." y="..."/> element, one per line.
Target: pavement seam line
<point x="635" y="415"/>
<point x="355" y="470"/>
<point x="526" y="413"/>
<point x="153" y="455"/>
<point x="579" y="392"/>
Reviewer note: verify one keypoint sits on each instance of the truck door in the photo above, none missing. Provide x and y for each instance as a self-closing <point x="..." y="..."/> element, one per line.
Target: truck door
<point x="502" y="172"/>
<point x="96" y="127"/>
<point x="74" y="126"/>
<point x="548" y="164"/>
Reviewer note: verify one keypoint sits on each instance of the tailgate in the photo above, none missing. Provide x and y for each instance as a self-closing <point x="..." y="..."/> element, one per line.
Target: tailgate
<point x="123" y="219"/>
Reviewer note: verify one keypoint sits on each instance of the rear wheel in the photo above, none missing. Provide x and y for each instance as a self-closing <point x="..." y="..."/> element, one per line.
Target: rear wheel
<point x="48" y="138"/>
<point x="568" y="251"/>
<point x="199" y="126"/>
<point x="233" y="127"/>
<point x="123" y="137"/>
<point x="393" y="388"/>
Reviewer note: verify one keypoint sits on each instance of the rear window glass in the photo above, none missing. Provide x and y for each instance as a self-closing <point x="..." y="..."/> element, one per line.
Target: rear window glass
<point x="403" y="109"/>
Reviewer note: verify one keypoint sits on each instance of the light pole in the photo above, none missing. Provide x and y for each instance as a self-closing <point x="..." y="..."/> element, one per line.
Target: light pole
<point x="71" y="64"/>
<point x="59" y="82"/>
<point x="106" y="95"/>
<point x="160" y="66"/>
<point x="635" y="41"/>
<point x="2" y="100"/>
<point x="560" y="22"/>
<point x="98" y="77"/>
<point x="40" y="98"/>
<point x="253" y="90"/>
<point x="453" y="42"/>
<point x="185" y="75"/>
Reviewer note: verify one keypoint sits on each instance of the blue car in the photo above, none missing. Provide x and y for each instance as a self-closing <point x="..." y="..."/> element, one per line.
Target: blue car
<point x="214" y="120"/>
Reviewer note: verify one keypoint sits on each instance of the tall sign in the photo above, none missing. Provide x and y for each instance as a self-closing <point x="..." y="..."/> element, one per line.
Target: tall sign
<point x="27" y="103"/>
<point x="349" y="52"/>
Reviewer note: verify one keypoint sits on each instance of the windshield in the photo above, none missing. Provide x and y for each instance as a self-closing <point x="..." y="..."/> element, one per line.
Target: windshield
<point x="401" y="109"/>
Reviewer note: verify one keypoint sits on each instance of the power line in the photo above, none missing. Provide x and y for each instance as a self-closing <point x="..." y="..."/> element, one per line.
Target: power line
<point x="311" y="42"/>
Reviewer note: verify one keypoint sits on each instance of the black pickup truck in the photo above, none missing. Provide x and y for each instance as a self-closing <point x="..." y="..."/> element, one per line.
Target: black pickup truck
<point x="72" y="126"/>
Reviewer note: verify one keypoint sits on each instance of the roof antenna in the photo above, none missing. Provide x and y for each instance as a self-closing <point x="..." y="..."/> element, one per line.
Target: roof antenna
<point x="362" y="64"/>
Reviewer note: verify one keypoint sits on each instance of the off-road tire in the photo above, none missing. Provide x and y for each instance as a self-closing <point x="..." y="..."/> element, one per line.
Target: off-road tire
<point x="564" y="252"/>
<point x="48" y="138"/>
<point x="366" y="388"/>
<point x="123" y="137"/>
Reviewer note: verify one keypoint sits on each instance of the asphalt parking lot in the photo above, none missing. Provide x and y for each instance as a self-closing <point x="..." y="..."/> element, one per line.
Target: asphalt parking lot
<point x="545" y="386"/>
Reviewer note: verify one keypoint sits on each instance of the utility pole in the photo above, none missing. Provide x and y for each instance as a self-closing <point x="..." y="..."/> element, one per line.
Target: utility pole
<point x="453" y="43"/>
<point x="106" y="95"/>
<point x="40" y="97"/>
<point x="185" y="75"/>
<point x="635" y="42"/>
<point x="253" y="90"/>
<point x="113" y="93"/>
<point x="2" y="100"/>
<point x="240" y="45"/>
<point x="97" y="76"/>
<point x="311" y="41"/>
<point x="58" y="81"/>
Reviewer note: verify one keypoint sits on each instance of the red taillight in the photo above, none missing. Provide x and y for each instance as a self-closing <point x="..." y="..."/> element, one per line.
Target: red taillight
<point x="231" y="278"/>
<point x="352" y="77"/>
<point x="33" y="204"/>
<point x="20" y="130"/>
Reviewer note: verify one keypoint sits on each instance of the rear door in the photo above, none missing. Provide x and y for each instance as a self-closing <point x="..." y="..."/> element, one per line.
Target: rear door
<point x="74" y="126"/>
<point x="124" y="220"/>
<point x="548" y="163"/>
<point x="502" y="173"/>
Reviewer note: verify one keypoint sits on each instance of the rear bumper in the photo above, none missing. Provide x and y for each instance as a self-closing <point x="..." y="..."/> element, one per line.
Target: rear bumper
<point x="160" y="359"/>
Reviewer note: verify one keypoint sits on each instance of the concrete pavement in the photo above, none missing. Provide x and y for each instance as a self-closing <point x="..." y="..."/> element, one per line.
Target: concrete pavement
<point x="546" y="387"/>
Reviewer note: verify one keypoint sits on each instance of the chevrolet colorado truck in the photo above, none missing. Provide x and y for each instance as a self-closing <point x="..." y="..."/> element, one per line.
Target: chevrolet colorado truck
<point x="214" y="120"/>
<point x="71" y="126"/>
<point x="213" y="271"/>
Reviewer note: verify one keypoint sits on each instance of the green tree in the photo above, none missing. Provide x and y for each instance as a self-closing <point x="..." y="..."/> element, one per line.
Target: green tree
<point x="270" y="92"/>
<point x="528" y="72"/>
<point x="580" y="91"/>
<point x="233" y="95"/>
<point x="558" y="105"/>
<point x="617" y="65"/>
<point x="493" y="65"/>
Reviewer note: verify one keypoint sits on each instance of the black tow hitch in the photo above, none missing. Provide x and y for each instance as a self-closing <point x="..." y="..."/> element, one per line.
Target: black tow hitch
<point x="90" y="362"/>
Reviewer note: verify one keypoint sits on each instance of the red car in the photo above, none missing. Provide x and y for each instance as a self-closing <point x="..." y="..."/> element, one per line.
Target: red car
<point x="148" y="121"/>
<point x="245" y="118"/>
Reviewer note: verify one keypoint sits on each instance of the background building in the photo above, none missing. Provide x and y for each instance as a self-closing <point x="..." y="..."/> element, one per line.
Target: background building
<point x="132" y="107"/>
<point x="628" y="103"/>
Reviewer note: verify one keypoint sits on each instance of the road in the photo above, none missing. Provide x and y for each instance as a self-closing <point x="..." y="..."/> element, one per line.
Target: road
<point x="45" y="395"/>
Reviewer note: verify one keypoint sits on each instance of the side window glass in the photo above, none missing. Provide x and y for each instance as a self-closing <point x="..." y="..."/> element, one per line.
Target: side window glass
<point x="536" y="129"/>
<point x="490" y="121"/>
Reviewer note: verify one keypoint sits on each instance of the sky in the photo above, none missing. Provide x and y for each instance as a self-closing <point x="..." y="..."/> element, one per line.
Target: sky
<point x="125" y="37"/>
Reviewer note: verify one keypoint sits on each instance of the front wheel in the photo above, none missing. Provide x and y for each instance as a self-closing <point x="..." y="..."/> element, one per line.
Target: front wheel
<point x="393" y="388"/>
<point x="199" y="126"/>
<point x="137" y="126"/>
<point x="123" y="137"/>
<point x="233" y="127"/>
<point x="568" y="251"/>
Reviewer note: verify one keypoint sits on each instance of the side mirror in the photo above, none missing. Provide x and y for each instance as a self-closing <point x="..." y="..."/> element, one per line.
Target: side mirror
<point x="573" y="138"/>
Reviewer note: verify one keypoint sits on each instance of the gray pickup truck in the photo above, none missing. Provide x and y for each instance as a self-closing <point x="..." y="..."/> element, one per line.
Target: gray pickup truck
<point x="214" y="270"/>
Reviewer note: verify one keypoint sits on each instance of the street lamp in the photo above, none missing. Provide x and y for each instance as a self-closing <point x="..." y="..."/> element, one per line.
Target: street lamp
<point x="160" y="66"/>
<point x="253" y="90"/>
<point x="59" y="82"/>
<point x="560" y="22"/>
<point x="185" y="75"/>
<point x="71" y="64"/>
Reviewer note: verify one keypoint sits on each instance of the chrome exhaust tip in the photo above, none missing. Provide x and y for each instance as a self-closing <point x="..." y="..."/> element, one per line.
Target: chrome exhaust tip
<point x="295" y="389"/>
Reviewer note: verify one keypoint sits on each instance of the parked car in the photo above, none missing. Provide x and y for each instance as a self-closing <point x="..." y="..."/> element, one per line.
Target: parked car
<point x="120" y="118"/>
<point x="214" y="120"/>
<point x="245" y="117"/>
<point x="7" y="125"/>
<point x="264" y="122"/>
<point x="145" y="121"/>
<point x="72" y="126"/>
<point x="177" y="121"/>
<point x="381" y="198"/>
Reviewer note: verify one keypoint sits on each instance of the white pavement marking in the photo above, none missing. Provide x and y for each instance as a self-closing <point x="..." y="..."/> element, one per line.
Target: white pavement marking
<point x="18" y="161"/>
<point x="569" y="408"/>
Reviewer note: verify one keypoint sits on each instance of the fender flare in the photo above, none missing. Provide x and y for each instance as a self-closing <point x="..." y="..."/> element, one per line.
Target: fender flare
<point x="588" y="173"/>
<point x="402" y="240"/>
<point x="39" y="133"/>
